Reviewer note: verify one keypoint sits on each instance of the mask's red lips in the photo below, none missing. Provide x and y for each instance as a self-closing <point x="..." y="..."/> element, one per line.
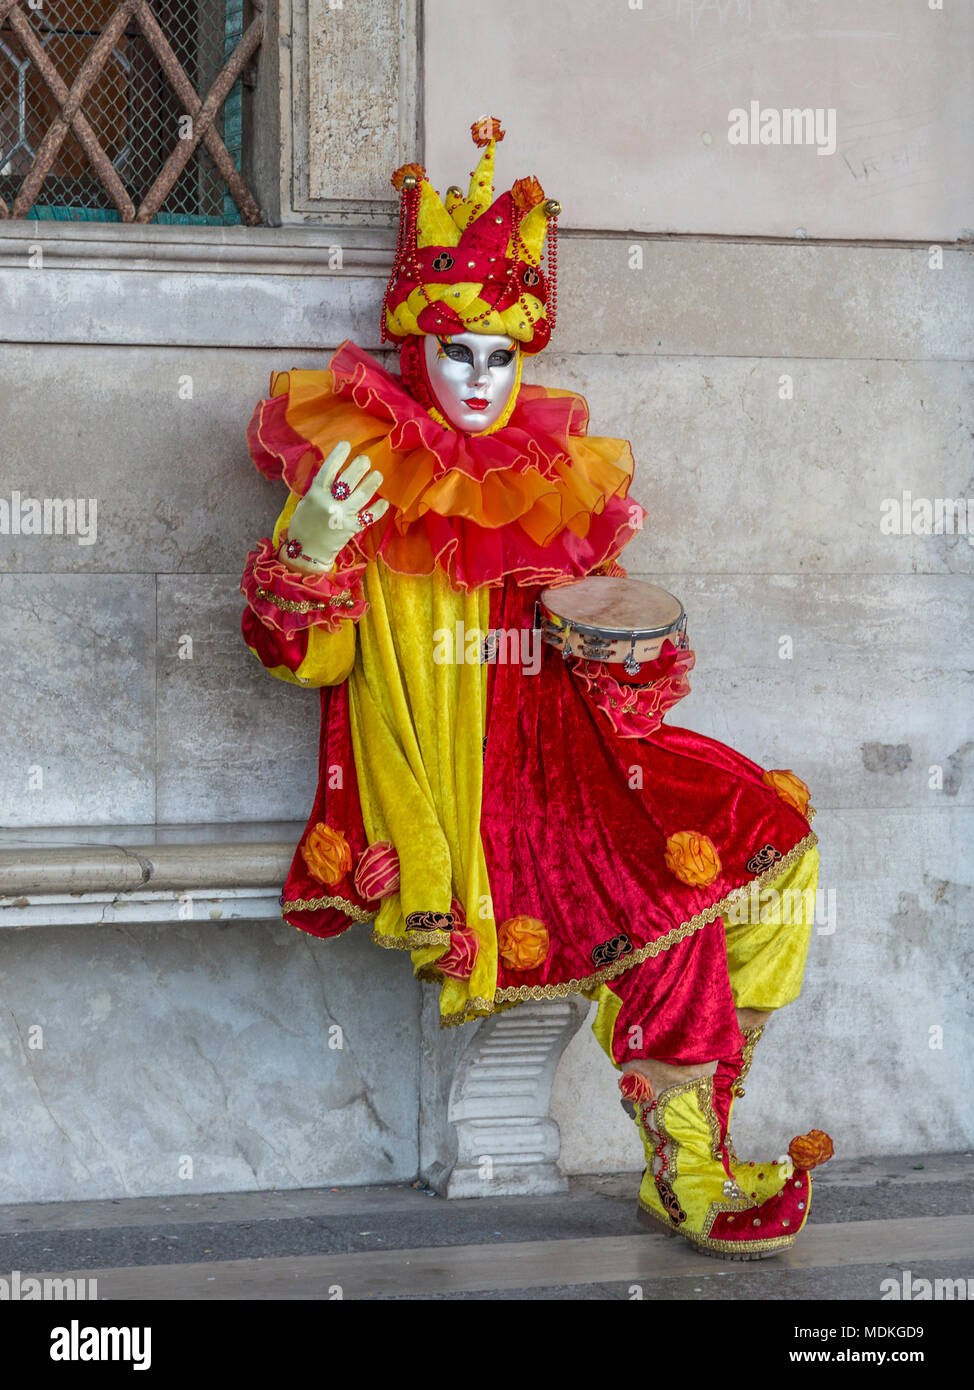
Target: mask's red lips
<point x="477" y="403"/>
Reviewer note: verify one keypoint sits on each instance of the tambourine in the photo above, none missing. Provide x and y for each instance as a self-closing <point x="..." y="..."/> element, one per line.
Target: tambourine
<point x="618" y="621"/>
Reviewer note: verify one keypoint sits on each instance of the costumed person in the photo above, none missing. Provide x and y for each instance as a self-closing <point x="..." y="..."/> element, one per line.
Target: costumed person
<point x="520" y="820"/>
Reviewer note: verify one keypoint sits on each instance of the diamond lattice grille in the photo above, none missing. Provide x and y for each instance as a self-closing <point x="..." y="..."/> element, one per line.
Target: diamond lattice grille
<point x="124" y="108"/>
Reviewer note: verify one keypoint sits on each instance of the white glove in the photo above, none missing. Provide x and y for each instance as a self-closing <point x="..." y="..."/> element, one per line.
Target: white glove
<point x="323" y="523"/>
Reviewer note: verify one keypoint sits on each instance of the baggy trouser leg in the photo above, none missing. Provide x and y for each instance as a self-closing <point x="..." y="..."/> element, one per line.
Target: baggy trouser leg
<point x="767" y="937"/>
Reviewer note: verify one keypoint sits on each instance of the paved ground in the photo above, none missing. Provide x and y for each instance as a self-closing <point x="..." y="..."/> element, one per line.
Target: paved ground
<point x="870" y="1221"/>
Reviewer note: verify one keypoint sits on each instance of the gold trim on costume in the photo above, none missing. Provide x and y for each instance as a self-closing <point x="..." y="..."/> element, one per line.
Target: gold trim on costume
<point x="741" y="1248"/>
<point x="707" y="1106"/>
<point x="519" y="993"/>
<point x="752" y="1036"/>
<point x="476" y="1007"/>
<point x="430" y="974"/>
<point x="293" y="605"/>
<point x="357" y="914"/>
<point x="703" y="1086"/>
<point x="412" y="940"/>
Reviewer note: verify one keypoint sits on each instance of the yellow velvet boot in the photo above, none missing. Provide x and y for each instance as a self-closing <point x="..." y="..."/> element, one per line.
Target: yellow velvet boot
<point x="686" y="1188"/>
<point x="758" y="1180"/>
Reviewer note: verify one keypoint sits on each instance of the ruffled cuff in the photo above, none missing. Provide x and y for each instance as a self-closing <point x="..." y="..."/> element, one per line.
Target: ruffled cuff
<point x="290" y="602"/>
<point x="634" y="711"/>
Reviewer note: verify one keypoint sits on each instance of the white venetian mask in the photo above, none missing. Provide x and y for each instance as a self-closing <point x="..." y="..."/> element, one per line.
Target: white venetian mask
<point x="472" y="376"/>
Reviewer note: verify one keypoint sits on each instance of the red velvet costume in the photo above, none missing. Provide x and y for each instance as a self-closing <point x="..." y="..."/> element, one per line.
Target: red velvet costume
<point x="569" y="840"/>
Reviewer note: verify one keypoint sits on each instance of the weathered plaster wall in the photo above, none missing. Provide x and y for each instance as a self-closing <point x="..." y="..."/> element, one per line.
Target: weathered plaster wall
<point x="642" y="90"/>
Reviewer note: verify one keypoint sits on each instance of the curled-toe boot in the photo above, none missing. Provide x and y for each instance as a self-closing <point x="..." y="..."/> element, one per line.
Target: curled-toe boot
<point x="686" y="1188"/>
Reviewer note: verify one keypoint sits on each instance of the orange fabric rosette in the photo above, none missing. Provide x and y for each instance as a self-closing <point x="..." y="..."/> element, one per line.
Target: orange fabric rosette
<point x="327" y="854"/>
<point x="523" y="943"/>
<point x="791" y="789"/>
<point x="807" y="1151"/>
<point x="692" y="858"/>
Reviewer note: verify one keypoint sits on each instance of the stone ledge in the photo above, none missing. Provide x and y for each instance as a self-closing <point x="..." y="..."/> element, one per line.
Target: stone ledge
<point x="113" y="246"/>
<point x="143" y="873"/>
<point x="694" y="297"/>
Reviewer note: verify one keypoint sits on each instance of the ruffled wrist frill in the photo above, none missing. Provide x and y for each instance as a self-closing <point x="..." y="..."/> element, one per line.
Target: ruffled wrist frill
<point x="634" y="711"/>
<point x="290" y="602"/>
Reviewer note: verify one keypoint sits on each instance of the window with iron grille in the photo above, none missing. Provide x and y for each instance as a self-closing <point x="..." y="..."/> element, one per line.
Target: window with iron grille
<point x="126" y="110"/>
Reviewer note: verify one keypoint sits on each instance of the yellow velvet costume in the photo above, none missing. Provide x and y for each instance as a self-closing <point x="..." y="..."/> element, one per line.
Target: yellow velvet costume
<point x="417" y="729"/>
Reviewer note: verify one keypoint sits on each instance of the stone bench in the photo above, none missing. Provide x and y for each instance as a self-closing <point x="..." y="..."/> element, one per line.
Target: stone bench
<point x="484" y="1089"/>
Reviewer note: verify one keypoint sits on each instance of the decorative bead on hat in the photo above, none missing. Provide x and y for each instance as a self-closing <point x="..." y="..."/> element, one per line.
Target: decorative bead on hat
<point x="473" y="264"/>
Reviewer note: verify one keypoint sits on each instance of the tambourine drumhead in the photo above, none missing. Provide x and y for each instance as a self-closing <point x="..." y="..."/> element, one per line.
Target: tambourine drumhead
<point x="622" y="606"/>
<point x="616" y="617"/>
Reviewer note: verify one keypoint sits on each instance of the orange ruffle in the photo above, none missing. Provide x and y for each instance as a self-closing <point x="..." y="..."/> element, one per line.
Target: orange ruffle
<point x="538" y="499"/>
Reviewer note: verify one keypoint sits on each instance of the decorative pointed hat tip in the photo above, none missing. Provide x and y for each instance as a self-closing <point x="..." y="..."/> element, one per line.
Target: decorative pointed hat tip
<point x="485" y="129"/>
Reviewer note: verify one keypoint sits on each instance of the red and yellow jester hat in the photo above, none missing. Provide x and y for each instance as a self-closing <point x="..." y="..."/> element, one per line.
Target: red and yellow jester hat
<point x="473" y="265"/>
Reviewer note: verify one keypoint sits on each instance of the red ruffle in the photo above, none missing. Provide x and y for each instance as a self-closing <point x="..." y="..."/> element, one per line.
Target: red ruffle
<point x="632" y="710"/>
<point x="537" y="499"/>
<point x="290" y="602"/>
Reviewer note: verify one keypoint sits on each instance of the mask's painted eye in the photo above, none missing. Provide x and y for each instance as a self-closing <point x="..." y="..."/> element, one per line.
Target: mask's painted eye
<point x="457" y="352"/>
<point x="502" y="358"/>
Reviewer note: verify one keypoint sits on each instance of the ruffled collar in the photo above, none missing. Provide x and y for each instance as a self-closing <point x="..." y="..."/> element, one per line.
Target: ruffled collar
<point x="537" y="500"/>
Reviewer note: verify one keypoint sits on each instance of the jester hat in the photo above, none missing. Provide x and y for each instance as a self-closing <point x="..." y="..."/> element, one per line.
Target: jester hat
<point x="473" y="265"/>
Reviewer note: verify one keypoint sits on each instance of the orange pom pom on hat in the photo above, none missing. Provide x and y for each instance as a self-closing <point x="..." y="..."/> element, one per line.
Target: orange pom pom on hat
<point x="473" y="264"/>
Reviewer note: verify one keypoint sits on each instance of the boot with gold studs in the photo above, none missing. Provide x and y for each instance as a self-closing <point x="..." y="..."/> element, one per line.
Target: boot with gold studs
<point x="760" y="1179"/>
<point x="689" y="1188"/>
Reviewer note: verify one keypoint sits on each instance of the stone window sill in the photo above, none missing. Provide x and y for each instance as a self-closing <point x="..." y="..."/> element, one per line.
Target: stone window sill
<point x="111" y="246"/>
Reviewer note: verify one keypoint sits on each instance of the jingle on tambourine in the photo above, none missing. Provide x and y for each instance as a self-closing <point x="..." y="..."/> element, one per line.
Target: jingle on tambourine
<point x="618" y="621"/>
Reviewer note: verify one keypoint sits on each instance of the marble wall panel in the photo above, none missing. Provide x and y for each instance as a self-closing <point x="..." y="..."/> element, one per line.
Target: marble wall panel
<point x="202" y="1058"/>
